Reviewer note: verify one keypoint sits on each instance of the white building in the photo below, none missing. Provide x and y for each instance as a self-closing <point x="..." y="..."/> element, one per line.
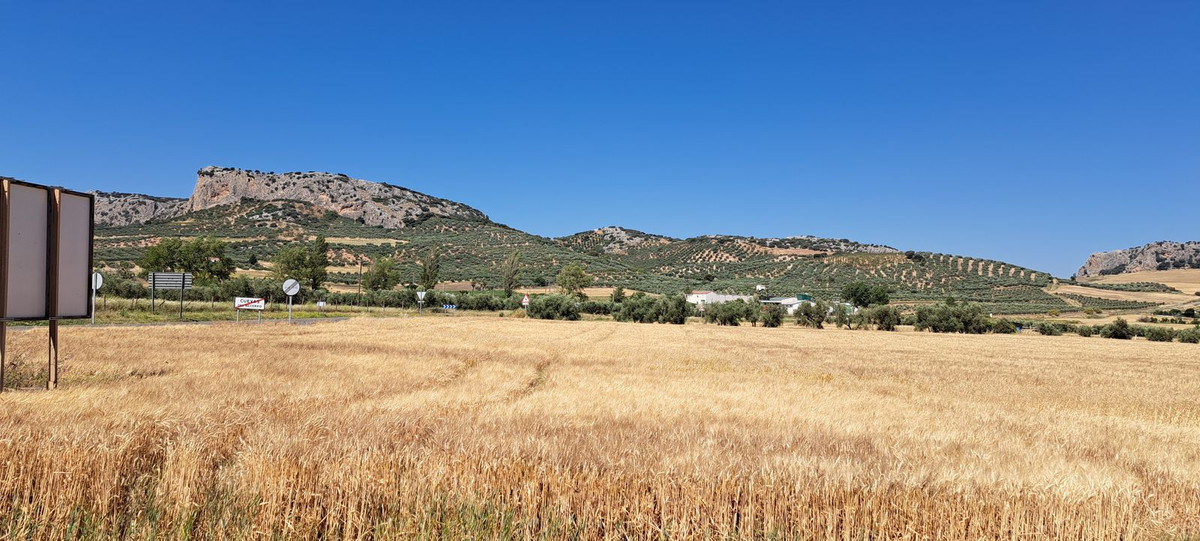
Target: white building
<point x="709" y="297"/>
<point x="788" y="303"/>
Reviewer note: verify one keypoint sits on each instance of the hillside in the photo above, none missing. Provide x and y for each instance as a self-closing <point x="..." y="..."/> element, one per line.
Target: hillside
<point x="1155" y="256"/>
<point x="259" y="213"/>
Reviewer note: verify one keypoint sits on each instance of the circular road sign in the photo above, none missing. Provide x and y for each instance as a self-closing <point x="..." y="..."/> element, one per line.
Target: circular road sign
<point x="291" y="287"/>
<point x="97" y="280"/>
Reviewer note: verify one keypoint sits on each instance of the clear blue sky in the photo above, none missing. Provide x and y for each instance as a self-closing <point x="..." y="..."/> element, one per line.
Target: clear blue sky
<point x="1033" y="132"/>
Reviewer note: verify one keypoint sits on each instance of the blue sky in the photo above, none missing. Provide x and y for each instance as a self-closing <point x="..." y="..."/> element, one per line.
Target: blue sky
<point x="1032" y="132"/>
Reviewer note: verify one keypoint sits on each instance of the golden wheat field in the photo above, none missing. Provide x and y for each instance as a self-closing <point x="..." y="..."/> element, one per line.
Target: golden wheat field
<point x="501" y="428"/>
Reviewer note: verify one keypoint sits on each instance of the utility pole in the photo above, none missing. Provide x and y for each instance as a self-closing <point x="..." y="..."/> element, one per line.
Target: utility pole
<point x="358" y="296"/>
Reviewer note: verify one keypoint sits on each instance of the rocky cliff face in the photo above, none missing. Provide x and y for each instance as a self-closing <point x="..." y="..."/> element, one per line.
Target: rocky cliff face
<point x="372" y="203"/>
<point x="1163" y="255"/>
<point x="118" y="209"/>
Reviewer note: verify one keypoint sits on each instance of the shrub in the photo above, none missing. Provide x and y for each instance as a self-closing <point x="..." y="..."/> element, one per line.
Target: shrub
<point x="811" y="314"/>
<point x="1159" y="334"/>
<point x="601" y="308"/>
<point x="1047" y="328"/>
<point x="1189" y="336"/>
<point x="960" y="318"/>
<point x="1119" y="330"/>
<point x="885" y="318"/>
<point x="730" y="313"/>
<point x="673" y="309"/>
<point x="639" y="309"/>
<point x="1004" y="326"/>
<point x="1084" y="331"/>
<point x="553" y="307"/>
<point x="772" y="315"/>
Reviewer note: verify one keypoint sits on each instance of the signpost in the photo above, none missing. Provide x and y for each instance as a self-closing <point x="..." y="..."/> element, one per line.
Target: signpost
<point x="291" y="287"/>
<point x="525" y="302"/>
<point x="449" y="306"/>
<point x="249" y="303"/>
<point x="97" y="281"/>
<point x="45" y="260"/>
<point x="170" y="280"/>
<point x="420" y="301"/>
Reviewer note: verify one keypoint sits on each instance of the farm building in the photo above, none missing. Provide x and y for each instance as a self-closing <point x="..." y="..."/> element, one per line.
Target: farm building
<point x="711" y="297"/>
<point x="790" y="303"/>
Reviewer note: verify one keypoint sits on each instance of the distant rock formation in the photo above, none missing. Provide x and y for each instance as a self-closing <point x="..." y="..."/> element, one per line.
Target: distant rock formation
<point x="120" y="209"/>
<point x="371" y="203"/>
<point x="1164" y="255"/>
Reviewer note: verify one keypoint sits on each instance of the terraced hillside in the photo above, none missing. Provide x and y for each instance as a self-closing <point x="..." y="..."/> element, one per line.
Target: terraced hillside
<point x="474" y="248"/>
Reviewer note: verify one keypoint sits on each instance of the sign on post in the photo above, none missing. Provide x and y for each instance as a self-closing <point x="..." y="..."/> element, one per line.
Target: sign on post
<point x="170" y="280"/>
<point x="45" y="260"/>
<point x="248" y="303"/>
<point x="97" y="281"/>
<point x="420" y="301"/>
<point x="291" y="287"/>
<point x="525" y="302"/>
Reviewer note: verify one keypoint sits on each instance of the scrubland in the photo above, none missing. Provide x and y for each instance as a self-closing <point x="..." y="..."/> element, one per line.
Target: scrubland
<point x="495" y="428"/>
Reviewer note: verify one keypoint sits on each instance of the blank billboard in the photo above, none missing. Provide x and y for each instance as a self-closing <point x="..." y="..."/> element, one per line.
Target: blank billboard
<point x="28" y="241"/>
<point x="74" y="255"/>
<point x="30" y="216"/>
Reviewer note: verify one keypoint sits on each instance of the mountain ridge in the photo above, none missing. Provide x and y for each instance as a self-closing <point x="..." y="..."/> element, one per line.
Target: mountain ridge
<point x="1160" y="255"/>
<point x="257" y="214"/>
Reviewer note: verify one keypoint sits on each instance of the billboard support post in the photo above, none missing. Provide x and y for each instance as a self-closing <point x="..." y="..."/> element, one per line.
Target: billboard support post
<point x="55" y="201"/>
<point x="4" y="206"/>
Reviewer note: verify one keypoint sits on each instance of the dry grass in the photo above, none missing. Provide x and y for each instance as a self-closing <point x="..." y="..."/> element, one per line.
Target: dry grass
<point x="1137" y="296"/>
<point x="500" y="428"/>
<point x="595" y="293"/>
<point x="1185" y="280"/>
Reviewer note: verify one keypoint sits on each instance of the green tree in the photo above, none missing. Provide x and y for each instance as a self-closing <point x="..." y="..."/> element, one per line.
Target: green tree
<point x="618" y="294"/>
<point x="862" y="295"/>
<point x="430" y="268"/>
<point x="812" y="314"/>
<point x="511" y="270"/>
<point x="307" y="264"/>
<point x="841" y="316"/>
<point x="381" y="276"/>
<point x="572" y="280"/>
<point x="772" y="315"/>
<point x="885" y="318"/>
<point x="162" y="257"/>
<point x="203" y="257"/>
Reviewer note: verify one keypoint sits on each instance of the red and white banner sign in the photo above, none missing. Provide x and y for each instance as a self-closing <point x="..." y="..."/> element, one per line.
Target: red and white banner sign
<point x="249" y="303"/>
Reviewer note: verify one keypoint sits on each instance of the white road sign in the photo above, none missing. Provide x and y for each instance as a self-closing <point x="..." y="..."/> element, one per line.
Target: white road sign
<point x="249" y="303"/>
<point x="420" y="295"/>
<point x="97" y="280"/>
<point x="525" y="301"/>
<point x="291" y="287"/>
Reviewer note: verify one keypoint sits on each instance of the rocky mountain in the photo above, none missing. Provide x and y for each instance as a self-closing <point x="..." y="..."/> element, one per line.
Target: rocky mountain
<point x="118" y="209"/>
<point x="1162" y="255"/>
<point x="369" y="203"/>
